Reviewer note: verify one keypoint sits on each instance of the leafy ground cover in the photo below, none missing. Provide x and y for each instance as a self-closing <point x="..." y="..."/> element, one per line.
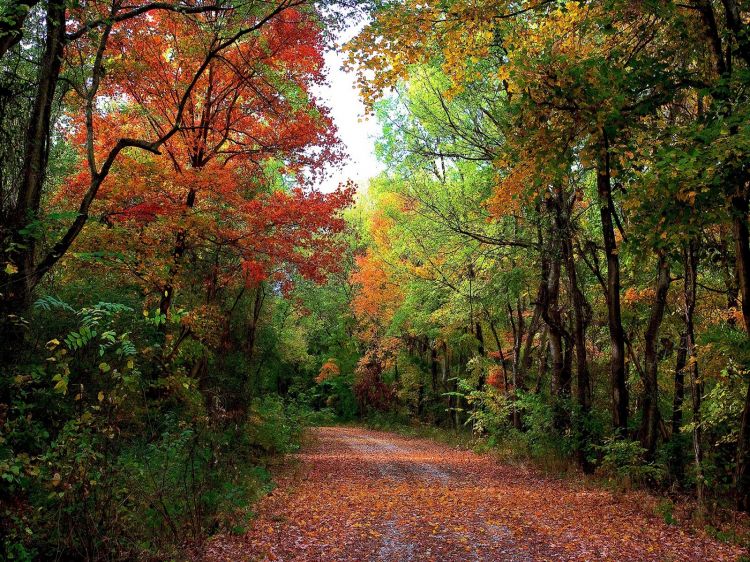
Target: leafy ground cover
<point x="359" y="494"/>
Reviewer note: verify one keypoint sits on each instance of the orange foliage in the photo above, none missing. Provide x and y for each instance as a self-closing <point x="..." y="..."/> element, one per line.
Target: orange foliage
<point x="634" y="296"/>
<point x="507" y="193"/>
<point x="496" y="377"/>
<point x="249" y="119"/>
<point x="328" y="370"/>
<point x="377" y="296"/>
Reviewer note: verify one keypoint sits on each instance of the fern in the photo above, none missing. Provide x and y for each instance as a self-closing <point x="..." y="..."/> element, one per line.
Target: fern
<point x="90" y="318"/>
<point x="49" y="303"/>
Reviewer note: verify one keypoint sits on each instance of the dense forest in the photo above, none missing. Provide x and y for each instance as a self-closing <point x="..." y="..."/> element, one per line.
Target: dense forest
<point x="556" y="257"/>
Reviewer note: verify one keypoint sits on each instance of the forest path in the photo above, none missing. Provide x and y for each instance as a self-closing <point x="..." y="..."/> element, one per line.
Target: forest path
<point x="361" y="495"/>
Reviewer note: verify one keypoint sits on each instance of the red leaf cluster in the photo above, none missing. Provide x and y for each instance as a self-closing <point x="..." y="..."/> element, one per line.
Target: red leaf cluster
<point x="249" y="129"/>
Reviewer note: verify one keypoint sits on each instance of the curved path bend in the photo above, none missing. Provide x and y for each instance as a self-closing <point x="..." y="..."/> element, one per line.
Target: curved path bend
<point x="361" y="495"/>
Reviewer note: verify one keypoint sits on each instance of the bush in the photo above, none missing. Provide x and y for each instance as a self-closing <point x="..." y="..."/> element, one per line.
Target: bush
<point x="622" y="460"/>
<point x="274" y="426"/>
<point x="103" y="460"/>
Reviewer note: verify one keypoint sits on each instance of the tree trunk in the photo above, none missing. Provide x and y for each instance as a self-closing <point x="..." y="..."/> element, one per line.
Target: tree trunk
<point x="480" y="351"/>
<point x="678" y="466"/>
<point x="696" y="387"/>
<point x="434" y="368"/>
<point x="580" y="322"/>
<point x="519" y="328"/>
<point x="614" y="316"/>
<point x="742" y="255"/>
<point x="180" y="246"/>
<point x="552" y="317"/>
<point x="679" y="384"/>
<point x="561" y="359"/>
<point x="542" y="360"/>
<point x="252" y="327"/>
<point x="16" y="287"/>
<point x="650" y="402"/>
<point x="534" y="325"/>
<point x="480" y="337"/>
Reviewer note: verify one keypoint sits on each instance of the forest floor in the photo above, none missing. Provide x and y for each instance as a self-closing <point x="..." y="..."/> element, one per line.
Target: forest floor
<point x="361" y="495"/>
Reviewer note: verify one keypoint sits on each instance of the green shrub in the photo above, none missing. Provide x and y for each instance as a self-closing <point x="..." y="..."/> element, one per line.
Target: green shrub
<point x="623" y="461"/>
<point x="100" y="460"/>
<point x="665" y="510"/>
<point x="274" y="426"/>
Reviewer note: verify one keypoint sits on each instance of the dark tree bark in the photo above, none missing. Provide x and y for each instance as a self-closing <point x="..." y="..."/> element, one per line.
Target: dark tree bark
<point x="536" y="318"/>
<point x="581" y="316"/>
<point x="252" y="325"/>
<point x="480" y="350"/>
<point x="480" y="337"/>
<point x="742" y="251"/>
<point x="180" y="247"/>
<point x="650" y="401"/>
<point x="16" y="287"/>
<point x="434" y="368"/>
<point x="558" y="336"/>
<point x="677" y="462"/>
<point x="690" y="258"/>
<point x="542" y="360"/>
<point x="679" y="384"/>
<point x="550" y="311"/>
<point x="519" y="327"/>
<point x="527" y="357"/>
<point x="614" y="314"/>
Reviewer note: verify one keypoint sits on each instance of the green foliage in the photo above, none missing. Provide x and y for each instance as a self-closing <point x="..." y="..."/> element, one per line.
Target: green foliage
<point x="126" y="475"/>
<point x="274" y="425"/>
<point x="336" y="395"/>
<point x="721" y="407"/>
<point x="387" y="421"/>
<point x="491" y="414"/>
<point x="665" y="510"/>
<point x="624" y="460"/>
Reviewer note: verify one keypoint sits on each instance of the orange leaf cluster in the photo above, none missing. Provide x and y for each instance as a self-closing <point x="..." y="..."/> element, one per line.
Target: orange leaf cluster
<point x="329" y="370"/>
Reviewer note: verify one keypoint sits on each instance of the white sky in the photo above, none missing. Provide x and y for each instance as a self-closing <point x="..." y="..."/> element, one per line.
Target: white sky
<point x="356" y="133"/>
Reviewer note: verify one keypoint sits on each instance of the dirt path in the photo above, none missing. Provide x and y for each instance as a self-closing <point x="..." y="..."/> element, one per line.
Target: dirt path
<point x="364" y="496"/>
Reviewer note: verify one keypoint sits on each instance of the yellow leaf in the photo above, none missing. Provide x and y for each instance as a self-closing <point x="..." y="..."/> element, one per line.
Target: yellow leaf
<point x="100" y="396"/>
